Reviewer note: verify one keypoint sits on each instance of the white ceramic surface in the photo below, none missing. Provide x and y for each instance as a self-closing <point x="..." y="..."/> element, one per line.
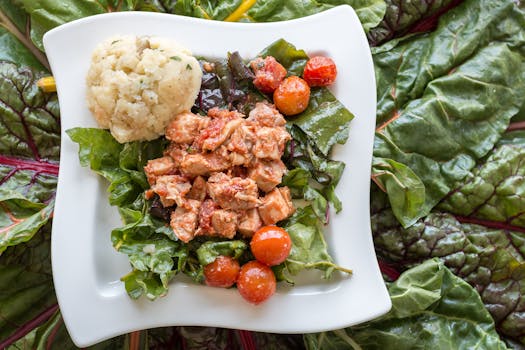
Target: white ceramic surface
<point x="86" y="268"/>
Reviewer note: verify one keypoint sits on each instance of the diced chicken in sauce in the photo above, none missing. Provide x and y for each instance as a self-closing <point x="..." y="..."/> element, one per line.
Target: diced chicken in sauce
<point x="233" y="192"/>
<point x="185" y="127"/>
<point x="276" y="206"/>
<point x="184" y="220"/>
<point x="267" y="174"/>
<point x="249" y="222"/>
<point x="221" y="171"/>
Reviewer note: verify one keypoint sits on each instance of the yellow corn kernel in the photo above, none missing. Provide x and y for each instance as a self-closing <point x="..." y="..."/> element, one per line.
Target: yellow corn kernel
<point x="47" y="84"/>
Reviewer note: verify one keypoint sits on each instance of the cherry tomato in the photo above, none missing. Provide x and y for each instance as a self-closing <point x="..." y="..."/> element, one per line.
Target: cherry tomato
<point x="271" y="245"/>
<point x="320" y="71"/>
<point x="292" y="96"/>
<point x="256" y="282"/>
<point x="222" y="272"/>
<point x="268" y="74"/>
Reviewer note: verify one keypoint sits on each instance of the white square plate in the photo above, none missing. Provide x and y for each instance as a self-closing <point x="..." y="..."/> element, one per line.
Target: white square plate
<point x="86" y="268"/>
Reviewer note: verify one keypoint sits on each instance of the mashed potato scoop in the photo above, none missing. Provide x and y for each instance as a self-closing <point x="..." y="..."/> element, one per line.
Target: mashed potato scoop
<point x="136" y="85"/>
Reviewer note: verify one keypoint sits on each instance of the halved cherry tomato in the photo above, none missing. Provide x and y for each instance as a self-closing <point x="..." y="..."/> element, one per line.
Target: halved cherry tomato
<point x="271" y="245"/>
<point x="320" y="71"/>
<point x="292" y="96"/>
<point x="222" y="272"/>
<point x="256" y="282"/>
<point x="268" y="74"/>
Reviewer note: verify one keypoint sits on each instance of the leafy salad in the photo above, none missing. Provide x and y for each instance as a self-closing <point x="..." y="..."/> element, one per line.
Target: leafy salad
<point x="158" y="251"/>
<point x="448" y="193"/>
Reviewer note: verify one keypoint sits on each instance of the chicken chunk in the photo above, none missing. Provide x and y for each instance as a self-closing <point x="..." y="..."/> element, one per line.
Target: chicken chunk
<point x="205" y="163"/>
<point x="185" y="127"/>
<point x="224" y="223"/>
<point x="159" y="167"/>
<point x="233" y="192"/>
<point x="270" y="142"/>
<point x="198" y="189"/>
<point x="177" y="152"/>
<point x="221" y="126"/>
<point x="184" y="220"/>
<point x="276" y="206"/>
<point x="206" y="211"/>
<point x="241" y="143"/>
<point x="267" y="174"/>
<point x="265" y="114"/>
<point x="249" y="222"/>
<point x="172" y="189"/>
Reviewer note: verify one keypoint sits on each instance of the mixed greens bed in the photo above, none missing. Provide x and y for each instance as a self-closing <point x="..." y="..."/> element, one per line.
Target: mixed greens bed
<point x="312" y="177"/>
<point x="448" y="191"/>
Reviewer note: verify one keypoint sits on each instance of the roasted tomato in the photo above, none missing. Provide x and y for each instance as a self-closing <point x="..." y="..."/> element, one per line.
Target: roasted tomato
<point x="268" y="74"/>
<point x="271" y="245"/>
<point x="292" y="96"/>
<point x="320" y="71"/>
<point x="222" y="272"/>
<point x="256" y="282"/>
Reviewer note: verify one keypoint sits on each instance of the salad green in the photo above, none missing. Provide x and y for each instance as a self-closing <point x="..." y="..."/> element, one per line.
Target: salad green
<point x="451" y="96"/>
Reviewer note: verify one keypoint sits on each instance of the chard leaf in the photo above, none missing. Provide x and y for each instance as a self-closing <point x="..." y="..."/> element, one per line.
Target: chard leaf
<point x="406" y="191"/>
<point x="300" y="153"/>
<point x="494" y="190"/>
<point x="465" y="81"/>
<point x="309" y="249"/>
<point x="490" y="259"/>
<point x="121" y="164"/>
<point x="370" y="12"/>
<point x="431" y="308"/>
<point x="29" y="150"/>
<point x="48" y="14"/>
<point x="210" y="250"/>
<point x="26" y="280"/>
<point x="142" y="283"/>
<point x="401" y="15"/>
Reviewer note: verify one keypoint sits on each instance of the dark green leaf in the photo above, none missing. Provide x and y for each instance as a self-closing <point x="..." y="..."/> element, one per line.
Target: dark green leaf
<point x="309" y="248"/>
<point x="495" y="190"/>
<point x="27" y="284"/>
<point x="210" y="250"/>
<point x="370" y="12"/>
<point x="139" y="283"/>
<point x="460" y="77"/>
<point x="401" y="15"/>
<point x="104" y="155"/>
<point x="491" y="260"/>
<point x="405" y="189"/>
<point x="431" y="309"/>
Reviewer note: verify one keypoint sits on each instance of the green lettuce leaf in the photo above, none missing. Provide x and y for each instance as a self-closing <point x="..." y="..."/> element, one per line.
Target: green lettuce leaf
<point x="492" y="260"/>
<point x="460" y="77"/>
<point x="494" y="190"/>
<point x="210" y="250"/>
<point x="431" y="308"/>
<point x="309" y="249"/>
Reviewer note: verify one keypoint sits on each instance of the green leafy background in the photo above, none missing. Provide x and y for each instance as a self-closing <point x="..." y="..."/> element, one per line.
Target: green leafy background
<point x="448" y="193"/>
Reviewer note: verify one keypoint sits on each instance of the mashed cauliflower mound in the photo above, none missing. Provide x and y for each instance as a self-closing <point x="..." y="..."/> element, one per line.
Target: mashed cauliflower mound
<point x="136" y="85"/>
